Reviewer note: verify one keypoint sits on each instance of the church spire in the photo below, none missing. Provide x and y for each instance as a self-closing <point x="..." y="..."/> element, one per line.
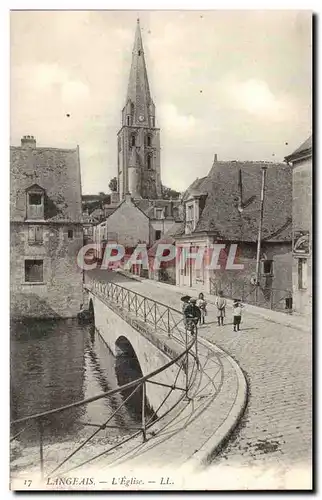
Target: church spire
<point x="138" y="91"/>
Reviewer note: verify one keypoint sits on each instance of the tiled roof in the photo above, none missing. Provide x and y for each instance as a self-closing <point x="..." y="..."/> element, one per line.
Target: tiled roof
<point x="148" y="206"/>
<point x="306" y="147"/>
<point x="220" y="214"/>
<point x="197" y="187"/>
<point x="57" y="171"/>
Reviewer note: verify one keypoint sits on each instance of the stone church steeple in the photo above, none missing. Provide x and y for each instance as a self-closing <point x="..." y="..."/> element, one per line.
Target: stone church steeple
<point x="138" y="138"/>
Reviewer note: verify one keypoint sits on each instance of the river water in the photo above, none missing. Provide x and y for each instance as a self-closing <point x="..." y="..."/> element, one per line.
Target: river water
<point x="55" y="363"/>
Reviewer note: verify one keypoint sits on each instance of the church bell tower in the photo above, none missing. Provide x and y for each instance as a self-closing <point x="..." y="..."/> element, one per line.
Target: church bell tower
<point x="139" y="139"/>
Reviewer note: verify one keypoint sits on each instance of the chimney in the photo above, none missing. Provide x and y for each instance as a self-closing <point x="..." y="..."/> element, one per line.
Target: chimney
<point x="114" y="196"/>
<point x="28" y="142"/>
<point x="215" y="157"/>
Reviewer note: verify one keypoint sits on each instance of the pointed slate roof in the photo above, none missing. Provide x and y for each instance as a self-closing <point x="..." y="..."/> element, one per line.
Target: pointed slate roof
<point x="138" y="91"/>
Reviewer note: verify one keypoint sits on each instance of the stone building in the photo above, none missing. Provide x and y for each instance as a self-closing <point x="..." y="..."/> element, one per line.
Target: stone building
<point x="137" y="212"/>
<point x="224" y="208"/>
<point x="46" y="231"/>
<point x="301" y="161"/>
<point x="139" y="139"/>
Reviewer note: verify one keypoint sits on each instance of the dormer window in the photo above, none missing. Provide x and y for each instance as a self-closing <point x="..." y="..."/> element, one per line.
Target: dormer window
<point x="190" y="218"/>
<point x="35" y="202"/>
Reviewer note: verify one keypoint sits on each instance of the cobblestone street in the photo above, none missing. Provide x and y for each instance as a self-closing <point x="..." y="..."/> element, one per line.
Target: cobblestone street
<point x="275" y="432"/>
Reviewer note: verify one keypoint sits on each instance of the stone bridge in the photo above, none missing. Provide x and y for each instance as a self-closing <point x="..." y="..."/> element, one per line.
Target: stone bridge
<point x="154" y="334"/>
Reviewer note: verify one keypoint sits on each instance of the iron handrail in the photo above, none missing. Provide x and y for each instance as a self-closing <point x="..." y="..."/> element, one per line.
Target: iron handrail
<point x="135" y="293"/>
<point x="150" y="306"/>
<point x="135" y="385"/>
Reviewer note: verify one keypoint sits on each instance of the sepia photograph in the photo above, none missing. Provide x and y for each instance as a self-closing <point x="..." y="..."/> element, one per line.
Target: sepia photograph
<point x="161" y="259"/>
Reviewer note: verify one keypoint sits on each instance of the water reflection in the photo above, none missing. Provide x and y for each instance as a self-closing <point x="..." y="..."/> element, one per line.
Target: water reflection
<point x="55" y="363"/>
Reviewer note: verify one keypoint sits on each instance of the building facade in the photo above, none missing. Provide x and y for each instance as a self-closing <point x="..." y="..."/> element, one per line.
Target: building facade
<point x="301" y="161"/>
<point x="223" y="208"/>
<point x="138" y="140"/>
<point x="46" y="231"/>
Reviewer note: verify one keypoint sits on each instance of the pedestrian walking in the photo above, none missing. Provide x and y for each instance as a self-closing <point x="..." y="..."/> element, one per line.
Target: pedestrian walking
<point x="237" y="313"/>
<point x="202" y="304"/>
<point x="221" y="308"/>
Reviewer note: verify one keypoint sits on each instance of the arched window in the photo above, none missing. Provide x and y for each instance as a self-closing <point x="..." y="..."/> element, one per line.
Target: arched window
<point x="149" y="162"/>
<point x="128" y="120"/>
<point x="132" y="142"/>
<point x="148" y="140"/>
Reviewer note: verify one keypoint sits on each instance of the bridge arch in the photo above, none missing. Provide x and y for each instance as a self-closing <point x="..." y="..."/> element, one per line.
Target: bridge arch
<point x="118" y="334"/>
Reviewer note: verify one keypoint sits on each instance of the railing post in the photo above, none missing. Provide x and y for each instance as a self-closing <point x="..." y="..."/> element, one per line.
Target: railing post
<point x="196" y="347"/>
<point x="271" y="298"/>
<point x="144" y="308"/>
<point x="143" y="410"/>
<point x="155" y="315"/>
<point x="128" y="300"/>
<point x="41" y="451"/>
<point x="136" y="304"/>
<point x="187" y="363"/>
<point x="168" y="322"/>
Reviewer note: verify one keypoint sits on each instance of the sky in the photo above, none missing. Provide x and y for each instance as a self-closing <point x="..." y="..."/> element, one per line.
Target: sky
<point x="232" y="83"/>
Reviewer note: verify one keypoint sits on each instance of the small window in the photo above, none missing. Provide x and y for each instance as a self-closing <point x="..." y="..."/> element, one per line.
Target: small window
<point x="139" y="53"/>
<point x="189" y="213"/>
<point x="132" y="140"/>
<point x="35" y="235"/>
<point x="128" y="120"/>
<point x="268" y="267"/>
<point x="158" y="213"/>
<point x="35" y="205"/>
<point x="70" y="234"/>
<point x="152" y="121"/>
<point x="157" y="234"/>
<point x="149" y="162"/>
<point x="35" y="199"/>
<point x="34" y="272"/>
<point x="148" y="140"/>
<point x="302" y="274"/>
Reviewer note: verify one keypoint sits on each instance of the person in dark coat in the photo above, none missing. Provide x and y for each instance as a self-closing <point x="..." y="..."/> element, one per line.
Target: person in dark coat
<point x="192" y="315"/>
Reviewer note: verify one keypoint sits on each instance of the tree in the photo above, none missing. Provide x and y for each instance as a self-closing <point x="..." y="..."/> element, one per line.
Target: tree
<point x="168" y="193"/>
<point x="113" y="185"/>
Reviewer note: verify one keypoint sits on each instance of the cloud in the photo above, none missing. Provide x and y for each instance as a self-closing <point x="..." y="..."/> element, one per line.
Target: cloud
<point x="178" y="124"/>
<point x="256" y="98"/>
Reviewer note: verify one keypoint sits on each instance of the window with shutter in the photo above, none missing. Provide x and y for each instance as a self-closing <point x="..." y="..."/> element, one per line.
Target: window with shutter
<point x="34" y="272"/>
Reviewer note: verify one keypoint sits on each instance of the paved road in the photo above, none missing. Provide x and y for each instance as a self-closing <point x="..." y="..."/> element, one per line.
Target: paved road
<point x="274" y="435"/>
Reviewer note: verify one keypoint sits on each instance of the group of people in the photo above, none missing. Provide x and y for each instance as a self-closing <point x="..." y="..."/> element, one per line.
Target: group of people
<point x="195" y="310"/>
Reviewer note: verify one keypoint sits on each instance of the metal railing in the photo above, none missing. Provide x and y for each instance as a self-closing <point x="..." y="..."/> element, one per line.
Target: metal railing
<point x="261" y="296"/>
<point x="162" y="318"/>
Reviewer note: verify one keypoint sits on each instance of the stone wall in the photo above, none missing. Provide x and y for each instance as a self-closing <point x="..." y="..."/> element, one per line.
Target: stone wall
<point x="130" y="224"/>
<point x="153" y="350"/>
<point x="61" y="293"/>
<point x="302" y="221"/>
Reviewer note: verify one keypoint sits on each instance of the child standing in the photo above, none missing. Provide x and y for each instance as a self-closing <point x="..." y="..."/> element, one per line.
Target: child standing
<point x="237" y="313"/>
<point x="202" y="304"/>
<point x="221" y="308"/>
